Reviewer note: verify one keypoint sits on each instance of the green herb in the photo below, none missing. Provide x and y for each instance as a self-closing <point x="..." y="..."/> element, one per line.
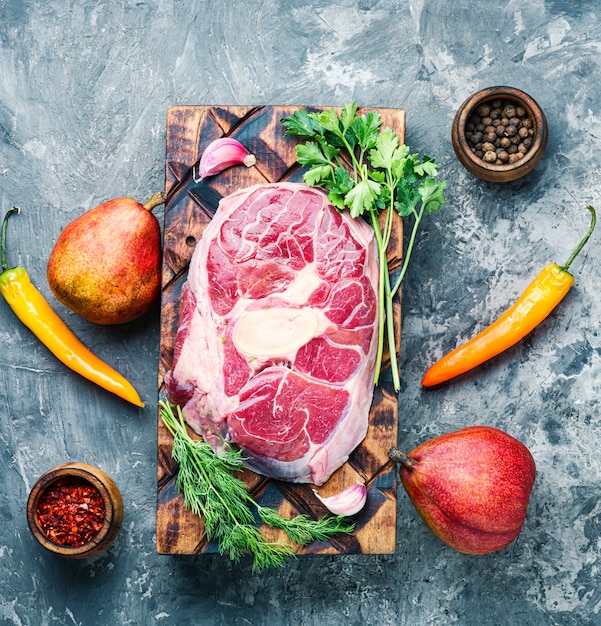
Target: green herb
<point x="366" y="170"/>
<point x="211" y="490"/>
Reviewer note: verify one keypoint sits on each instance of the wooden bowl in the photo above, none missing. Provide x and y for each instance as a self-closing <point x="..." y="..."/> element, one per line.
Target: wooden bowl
<point x="495" y="172"/>
<point x="113" y="509"/>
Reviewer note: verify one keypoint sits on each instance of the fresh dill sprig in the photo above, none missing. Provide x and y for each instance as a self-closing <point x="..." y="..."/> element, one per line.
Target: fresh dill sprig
<point x="211" y="490"/>
<point x="303" y="530"/>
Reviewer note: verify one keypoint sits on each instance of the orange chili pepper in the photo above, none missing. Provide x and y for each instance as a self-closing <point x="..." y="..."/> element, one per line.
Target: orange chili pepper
<point x="34" y="311"/>
<point x="543" y="294"/>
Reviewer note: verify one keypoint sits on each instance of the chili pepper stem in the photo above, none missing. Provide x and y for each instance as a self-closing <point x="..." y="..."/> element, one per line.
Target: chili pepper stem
<point x="15" y="209"/>
<point x="579" y="247"/>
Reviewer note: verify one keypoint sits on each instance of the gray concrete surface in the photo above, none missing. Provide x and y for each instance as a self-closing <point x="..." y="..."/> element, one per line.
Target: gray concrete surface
<point x="84" y="89"/>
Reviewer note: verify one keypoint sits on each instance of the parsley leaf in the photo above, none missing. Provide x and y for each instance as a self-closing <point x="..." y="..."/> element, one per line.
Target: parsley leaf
<point x="360" y="199"/>
<point x="302" y="124"/>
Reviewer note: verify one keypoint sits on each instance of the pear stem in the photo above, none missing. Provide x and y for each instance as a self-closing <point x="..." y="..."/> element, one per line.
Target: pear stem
<point x="394" y="454"/>
<point x="158" y="198"/>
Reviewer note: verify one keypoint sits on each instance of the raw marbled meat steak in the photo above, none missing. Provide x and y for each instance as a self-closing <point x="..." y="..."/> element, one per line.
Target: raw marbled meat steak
<point x="277" y="334"/>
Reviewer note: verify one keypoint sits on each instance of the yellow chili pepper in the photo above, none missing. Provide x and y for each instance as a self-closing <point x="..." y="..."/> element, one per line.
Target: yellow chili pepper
<point x="543" y="294"/>
<point x="33" y="310"/>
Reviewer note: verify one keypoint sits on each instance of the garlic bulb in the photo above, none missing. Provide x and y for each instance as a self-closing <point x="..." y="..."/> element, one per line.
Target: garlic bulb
<point x="221" y="154"/>
<point x="347" y="502"/>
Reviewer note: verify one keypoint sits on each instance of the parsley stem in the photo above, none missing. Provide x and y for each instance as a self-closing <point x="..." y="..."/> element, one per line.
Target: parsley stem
<point x="390" y="331"/>
<point x="382" y="263"/>
<point x="388" y="304"/>
<point x="357" y="169"/>
<point x="410" y="245"/>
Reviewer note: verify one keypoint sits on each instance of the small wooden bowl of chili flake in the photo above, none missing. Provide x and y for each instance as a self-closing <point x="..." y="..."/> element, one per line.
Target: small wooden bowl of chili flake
<point x="75" y="510"/>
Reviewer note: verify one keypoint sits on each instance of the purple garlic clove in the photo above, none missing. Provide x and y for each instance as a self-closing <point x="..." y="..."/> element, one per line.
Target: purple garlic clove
<point x="347" y="502"/>
<point x="221" y="154"/>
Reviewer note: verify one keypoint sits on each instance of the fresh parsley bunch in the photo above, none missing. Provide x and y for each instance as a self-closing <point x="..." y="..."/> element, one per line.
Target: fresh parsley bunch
<point x="366" y="171"/>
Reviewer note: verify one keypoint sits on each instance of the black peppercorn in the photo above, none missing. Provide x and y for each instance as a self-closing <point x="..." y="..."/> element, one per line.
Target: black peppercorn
<point x="476" y="137"/>
<point x="499" y="132"/>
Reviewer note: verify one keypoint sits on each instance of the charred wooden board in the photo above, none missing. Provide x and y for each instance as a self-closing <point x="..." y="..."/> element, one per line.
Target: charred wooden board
<point x="189" y="208"/>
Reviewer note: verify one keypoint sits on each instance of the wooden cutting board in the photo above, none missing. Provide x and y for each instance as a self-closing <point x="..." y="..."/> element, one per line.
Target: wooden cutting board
<point x="189" y="208"/>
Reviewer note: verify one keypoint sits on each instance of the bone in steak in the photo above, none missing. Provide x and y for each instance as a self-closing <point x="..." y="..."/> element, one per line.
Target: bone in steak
<point x="277" y="335"/>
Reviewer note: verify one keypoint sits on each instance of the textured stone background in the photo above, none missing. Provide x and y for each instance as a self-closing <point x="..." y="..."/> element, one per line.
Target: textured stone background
<point x="84" y="89"/>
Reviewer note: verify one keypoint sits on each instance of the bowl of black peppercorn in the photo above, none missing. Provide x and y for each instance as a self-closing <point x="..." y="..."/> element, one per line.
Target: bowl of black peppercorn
<point x="499" y="134"/>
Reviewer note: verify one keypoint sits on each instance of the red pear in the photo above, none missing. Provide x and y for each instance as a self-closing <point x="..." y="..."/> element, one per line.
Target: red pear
<point x="471" y="487"/>
<point x="106" y="264"/>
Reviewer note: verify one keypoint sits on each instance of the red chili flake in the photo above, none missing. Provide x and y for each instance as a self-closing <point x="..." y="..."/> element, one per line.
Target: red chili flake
<point x="71" y="512"/>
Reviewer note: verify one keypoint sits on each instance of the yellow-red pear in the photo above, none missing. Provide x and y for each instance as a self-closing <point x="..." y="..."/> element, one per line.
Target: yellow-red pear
<point x="106" y="264"/>
<point x="471" y="487"/>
